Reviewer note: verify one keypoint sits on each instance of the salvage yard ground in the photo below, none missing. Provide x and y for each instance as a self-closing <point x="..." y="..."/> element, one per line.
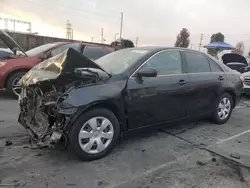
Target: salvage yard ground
<point x="197" y="154"/>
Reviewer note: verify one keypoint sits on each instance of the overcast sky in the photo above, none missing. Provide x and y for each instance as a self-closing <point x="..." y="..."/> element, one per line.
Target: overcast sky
<point x="156" y="22"/>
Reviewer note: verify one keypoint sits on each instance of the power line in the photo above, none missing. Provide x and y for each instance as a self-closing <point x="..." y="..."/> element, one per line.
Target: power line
<point x="14" y="21"/>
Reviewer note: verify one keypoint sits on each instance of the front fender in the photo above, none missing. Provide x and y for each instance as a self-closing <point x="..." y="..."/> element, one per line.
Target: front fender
<point x="82" y="98"/>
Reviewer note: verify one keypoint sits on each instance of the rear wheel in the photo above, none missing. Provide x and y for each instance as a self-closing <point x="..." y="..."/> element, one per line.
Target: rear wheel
<point x="94" y="134"/>
<point x="13" y="88"/>
<point x="223" y="109"/>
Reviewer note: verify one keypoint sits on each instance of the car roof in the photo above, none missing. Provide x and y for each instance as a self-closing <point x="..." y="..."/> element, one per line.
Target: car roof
<point x="84" y="43"/>
<point x="160" y="48"/>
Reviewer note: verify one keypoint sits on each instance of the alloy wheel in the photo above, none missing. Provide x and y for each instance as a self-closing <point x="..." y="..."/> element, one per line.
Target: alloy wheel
<point x="16" y="88"/>
<point x="224" y="108"/>
<point x="96" y="135"/>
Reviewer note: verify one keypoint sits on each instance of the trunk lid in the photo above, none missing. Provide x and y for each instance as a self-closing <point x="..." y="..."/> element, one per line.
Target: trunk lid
<point x="234" y="58"/>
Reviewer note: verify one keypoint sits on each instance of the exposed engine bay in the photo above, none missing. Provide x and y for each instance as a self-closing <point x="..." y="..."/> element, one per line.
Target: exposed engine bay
<point x="38" y="113"/>
<point x="44" y="87"/>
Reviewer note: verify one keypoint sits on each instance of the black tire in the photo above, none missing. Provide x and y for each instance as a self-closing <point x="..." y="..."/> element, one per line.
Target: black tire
<point x="74" y="133"/>
<point x="215" y="116"/>
<point x="10" y="82"/>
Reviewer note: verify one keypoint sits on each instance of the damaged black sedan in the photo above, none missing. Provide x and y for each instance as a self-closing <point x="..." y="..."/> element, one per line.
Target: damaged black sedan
<point x="89" y="105"/>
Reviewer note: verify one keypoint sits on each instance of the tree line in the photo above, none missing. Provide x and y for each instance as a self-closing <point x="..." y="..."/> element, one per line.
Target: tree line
<point x="183" y="40"/>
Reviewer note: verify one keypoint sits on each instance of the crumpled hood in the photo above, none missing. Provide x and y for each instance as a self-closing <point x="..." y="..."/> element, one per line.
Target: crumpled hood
<point x="62" y="64"/>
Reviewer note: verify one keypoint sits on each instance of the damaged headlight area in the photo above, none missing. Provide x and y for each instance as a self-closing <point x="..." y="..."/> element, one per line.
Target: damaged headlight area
<point x="41" y="117"/>
<point x="65" y="108"/>
<point x="45" y="106"/>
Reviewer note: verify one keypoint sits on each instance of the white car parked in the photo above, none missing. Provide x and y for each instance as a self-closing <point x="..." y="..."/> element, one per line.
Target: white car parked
<point x="246" y="83"/>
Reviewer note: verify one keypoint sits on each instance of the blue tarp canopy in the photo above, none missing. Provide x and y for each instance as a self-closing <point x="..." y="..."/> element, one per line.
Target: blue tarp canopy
<point x="219" y="46"/>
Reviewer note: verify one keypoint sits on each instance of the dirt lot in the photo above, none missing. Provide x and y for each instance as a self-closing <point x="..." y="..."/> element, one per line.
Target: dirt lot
<point x="197" y="154"/>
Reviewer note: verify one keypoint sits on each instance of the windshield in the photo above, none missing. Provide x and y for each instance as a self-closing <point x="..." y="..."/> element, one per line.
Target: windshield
<point x="119" y="61"/>
<point x="40" y="49"/>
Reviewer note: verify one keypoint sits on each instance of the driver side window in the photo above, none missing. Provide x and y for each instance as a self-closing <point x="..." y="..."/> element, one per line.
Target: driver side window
<point x="166" y="63"/>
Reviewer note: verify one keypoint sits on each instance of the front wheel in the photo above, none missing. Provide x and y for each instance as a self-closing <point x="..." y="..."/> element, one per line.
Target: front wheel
<point x="94" y="134"/>
<point x="13" y="88"/>
<point x="223" y="109"/>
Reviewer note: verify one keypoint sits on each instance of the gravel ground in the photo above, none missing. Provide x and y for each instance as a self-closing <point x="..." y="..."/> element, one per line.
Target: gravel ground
<point x="196" y="154"/>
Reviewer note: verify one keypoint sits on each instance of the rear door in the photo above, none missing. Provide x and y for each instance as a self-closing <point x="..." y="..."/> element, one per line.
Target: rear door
<point x="205" y="83"/>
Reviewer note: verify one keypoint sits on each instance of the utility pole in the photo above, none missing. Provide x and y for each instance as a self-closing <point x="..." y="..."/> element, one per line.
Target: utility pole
<point x="72" y="33"/>
<point x="115" y="36"/>
<point x="92" y="39"/>
<point x="136" y="41"/>
<point x="200" y="42"/>
<point x="191" y="46"/>
<point x="101" y="35"/>
<point x="69" y="30"/>
<point x="14" y="25"/>
<point x="6" y="23"/>
<point x="121" y="28"/>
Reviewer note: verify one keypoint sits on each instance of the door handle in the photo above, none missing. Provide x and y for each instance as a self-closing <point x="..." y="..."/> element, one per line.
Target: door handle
<point x="182" y="82"/>
<point x="220" y="78"/>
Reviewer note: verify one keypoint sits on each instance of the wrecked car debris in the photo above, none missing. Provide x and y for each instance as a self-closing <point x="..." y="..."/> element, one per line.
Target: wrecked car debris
<point x="45" y="86"/>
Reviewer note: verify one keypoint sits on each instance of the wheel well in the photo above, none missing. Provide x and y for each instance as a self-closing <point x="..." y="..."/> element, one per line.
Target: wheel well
<point x="113" y="108"/>
<point x="233" y="95"/>
<point x="11" y="73"/>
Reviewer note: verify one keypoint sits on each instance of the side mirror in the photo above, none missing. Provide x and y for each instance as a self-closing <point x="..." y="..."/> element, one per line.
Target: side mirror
<point x="45" y="56"/>
<point x="146" y="72"/>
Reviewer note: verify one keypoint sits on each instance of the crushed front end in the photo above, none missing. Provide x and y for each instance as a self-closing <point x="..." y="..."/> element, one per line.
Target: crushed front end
<point x="39" y="116"/>
<point x="45" y="86"/>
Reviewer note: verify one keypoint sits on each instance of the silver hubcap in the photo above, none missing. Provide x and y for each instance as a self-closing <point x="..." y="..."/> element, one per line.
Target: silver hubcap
<point x="96" y="135"/>
<point x="224" y="108"/>
<point x="16" y="88"/>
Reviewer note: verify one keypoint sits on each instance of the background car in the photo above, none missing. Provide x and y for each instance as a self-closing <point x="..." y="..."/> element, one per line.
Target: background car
<point x="124" y="91"/>
<point x="14" y="67"/>
<point x="5" y="52"/>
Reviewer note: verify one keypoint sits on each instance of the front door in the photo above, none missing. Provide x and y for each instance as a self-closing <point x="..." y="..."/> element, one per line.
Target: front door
<point x="153" y="100"/>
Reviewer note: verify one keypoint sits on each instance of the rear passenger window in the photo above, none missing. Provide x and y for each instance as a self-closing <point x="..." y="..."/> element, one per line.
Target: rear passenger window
<point x="214" y="67"/>
<point x="196" y="63"/>
<point x="95" y="52"/>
